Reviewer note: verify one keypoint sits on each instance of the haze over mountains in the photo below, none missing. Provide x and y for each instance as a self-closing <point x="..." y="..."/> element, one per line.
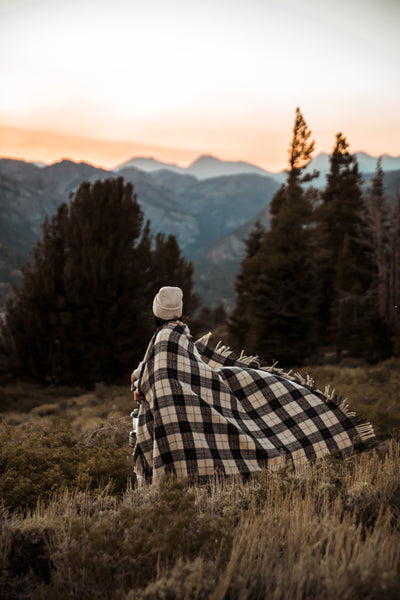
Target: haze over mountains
<point x="210" y="206"/>
<point x="204" y="167"/>
<point x="207" y="166"/>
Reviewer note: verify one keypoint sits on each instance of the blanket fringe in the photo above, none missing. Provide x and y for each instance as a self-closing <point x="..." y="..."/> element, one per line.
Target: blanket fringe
<point x="226" y="352"/>
<point x="204" y="339"/>
<point x="365" y="429"/>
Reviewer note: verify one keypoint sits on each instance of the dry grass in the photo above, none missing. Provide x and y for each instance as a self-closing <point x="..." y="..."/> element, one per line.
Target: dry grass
<point x="331" y="531"/>
<point x="373" y="391"/>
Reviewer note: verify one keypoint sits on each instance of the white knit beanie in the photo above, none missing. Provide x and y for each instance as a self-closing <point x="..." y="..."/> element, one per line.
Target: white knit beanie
<point x="167" y="304"/>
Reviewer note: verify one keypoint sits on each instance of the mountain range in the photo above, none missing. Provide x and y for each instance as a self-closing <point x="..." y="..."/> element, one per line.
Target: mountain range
<point x="210" y="206"/>
<point x="207" y="166"/>
<point x="204" y="167"/>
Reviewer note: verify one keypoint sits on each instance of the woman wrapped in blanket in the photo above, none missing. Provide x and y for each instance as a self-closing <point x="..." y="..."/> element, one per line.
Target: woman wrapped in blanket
<point x="204" y="412"/>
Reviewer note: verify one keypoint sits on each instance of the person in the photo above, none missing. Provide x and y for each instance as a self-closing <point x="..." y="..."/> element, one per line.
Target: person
<point x="167" y="307"/>
<point x="204" y="411"/>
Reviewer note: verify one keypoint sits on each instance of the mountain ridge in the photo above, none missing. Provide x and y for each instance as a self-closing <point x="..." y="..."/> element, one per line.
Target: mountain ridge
<point x="198" y="212"/>
<point x="207" y="166"/>
<point x="210" y="217"/>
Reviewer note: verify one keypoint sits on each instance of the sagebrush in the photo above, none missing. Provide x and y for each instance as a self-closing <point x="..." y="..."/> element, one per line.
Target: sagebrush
<point x="74" y="523"/>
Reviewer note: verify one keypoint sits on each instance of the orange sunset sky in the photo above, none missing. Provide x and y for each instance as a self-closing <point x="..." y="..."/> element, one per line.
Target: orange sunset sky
<point x="102" y="81"/>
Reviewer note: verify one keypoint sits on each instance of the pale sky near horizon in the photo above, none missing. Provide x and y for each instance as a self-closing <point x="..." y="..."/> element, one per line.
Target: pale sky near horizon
<point x="101" y="80"/>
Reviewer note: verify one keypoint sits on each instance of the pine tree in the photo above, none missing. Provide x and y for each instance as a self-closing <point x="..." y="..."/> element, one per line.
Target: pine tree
<point x="278" y="299"/>
<point x="344" y="268"/>
<point x="245" y="282"/>
<point x="83" y="313"/>
<point x="30" y="314"/>
<point x="378" y="224"/>
<point x="394" y="278"/>
<point x="102" y="273"/>
<point x="168" y="265"/>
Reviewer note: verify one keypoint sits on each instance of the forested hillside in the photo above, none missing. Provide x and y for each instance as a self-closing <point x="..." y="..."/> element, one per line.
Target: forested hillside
<point x="209" y="216"/>
<point x="82" y="312"/>
<point x="197" y="213"/>
<point x="326" y="274"/>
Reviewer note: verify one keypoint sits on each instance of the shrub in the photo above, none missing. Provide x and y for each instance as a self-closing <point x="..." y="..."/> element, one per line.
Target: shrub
<point x="75" y="525"/>
<point x="195" y="580"/>
<point x="107" y="553"/>
<point x="330" y="532"/>
<point x="38" y="460"/>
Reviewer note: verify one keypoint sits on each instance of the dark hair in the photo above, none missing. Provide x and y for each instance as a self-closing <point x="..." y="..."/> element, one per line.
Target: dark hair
<point x="160" y="322"/>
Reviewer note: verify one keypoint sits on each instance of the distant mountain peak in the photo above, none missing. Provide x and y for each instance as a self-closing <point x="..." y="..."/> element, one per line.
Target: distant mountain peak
<point x="205" y="158"/>
<point x="210" y="158"/>
<point x="148" y="164"/>
<point x="207" y="166"/>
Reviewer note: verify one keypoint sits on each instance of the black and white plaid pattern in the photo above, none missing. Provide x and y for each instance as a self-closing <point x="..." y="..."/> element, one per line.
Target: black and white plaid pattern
<point x="205" y="412"/>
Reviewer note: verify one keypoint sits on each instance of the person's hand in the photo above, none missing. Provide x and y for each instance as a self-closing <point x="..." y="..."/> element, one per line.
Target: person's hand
<point x="137" y="397"/>
<point x="133" y="378"/>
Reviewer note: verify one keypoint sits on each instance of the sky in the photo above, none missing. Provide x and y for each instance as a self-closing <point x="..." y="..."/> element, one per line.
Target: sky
<point x="103" y="81"/>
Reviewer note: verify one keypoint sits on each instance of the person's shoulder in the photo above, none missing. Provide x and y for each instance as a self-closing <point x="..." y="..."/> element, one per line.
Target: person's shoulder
<point x="172" y="330"/>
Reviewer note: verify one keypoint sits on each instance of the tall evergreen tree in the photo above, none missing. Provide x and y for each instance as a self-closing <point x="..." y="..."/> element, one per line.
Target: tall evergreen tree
<point x="394" y="279"/>
<point x="83" y="313"/>
<point x="169" y="265"/>
<point x="279" y="301"/>
<point x="246" y="280"/>
<point x="378" y="225"/>
<point x="344" y="269"/>
<point x="30" y="314"/>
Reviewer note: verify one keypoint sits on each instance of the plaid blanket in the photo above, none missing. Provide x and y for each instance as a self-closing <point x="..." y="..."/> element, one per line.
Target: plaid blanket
<point x="205" y="412"/>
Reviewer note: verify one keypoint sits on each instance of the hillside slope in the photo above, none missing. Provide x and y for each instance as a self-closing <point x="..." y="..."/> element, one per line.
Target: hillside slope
<point x="198" y="212"/>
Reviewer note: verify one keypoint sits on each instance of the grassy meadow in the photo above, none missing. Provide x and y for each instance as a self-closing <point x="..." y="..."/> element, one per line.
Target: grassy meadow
<point x="74" y="524"/>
